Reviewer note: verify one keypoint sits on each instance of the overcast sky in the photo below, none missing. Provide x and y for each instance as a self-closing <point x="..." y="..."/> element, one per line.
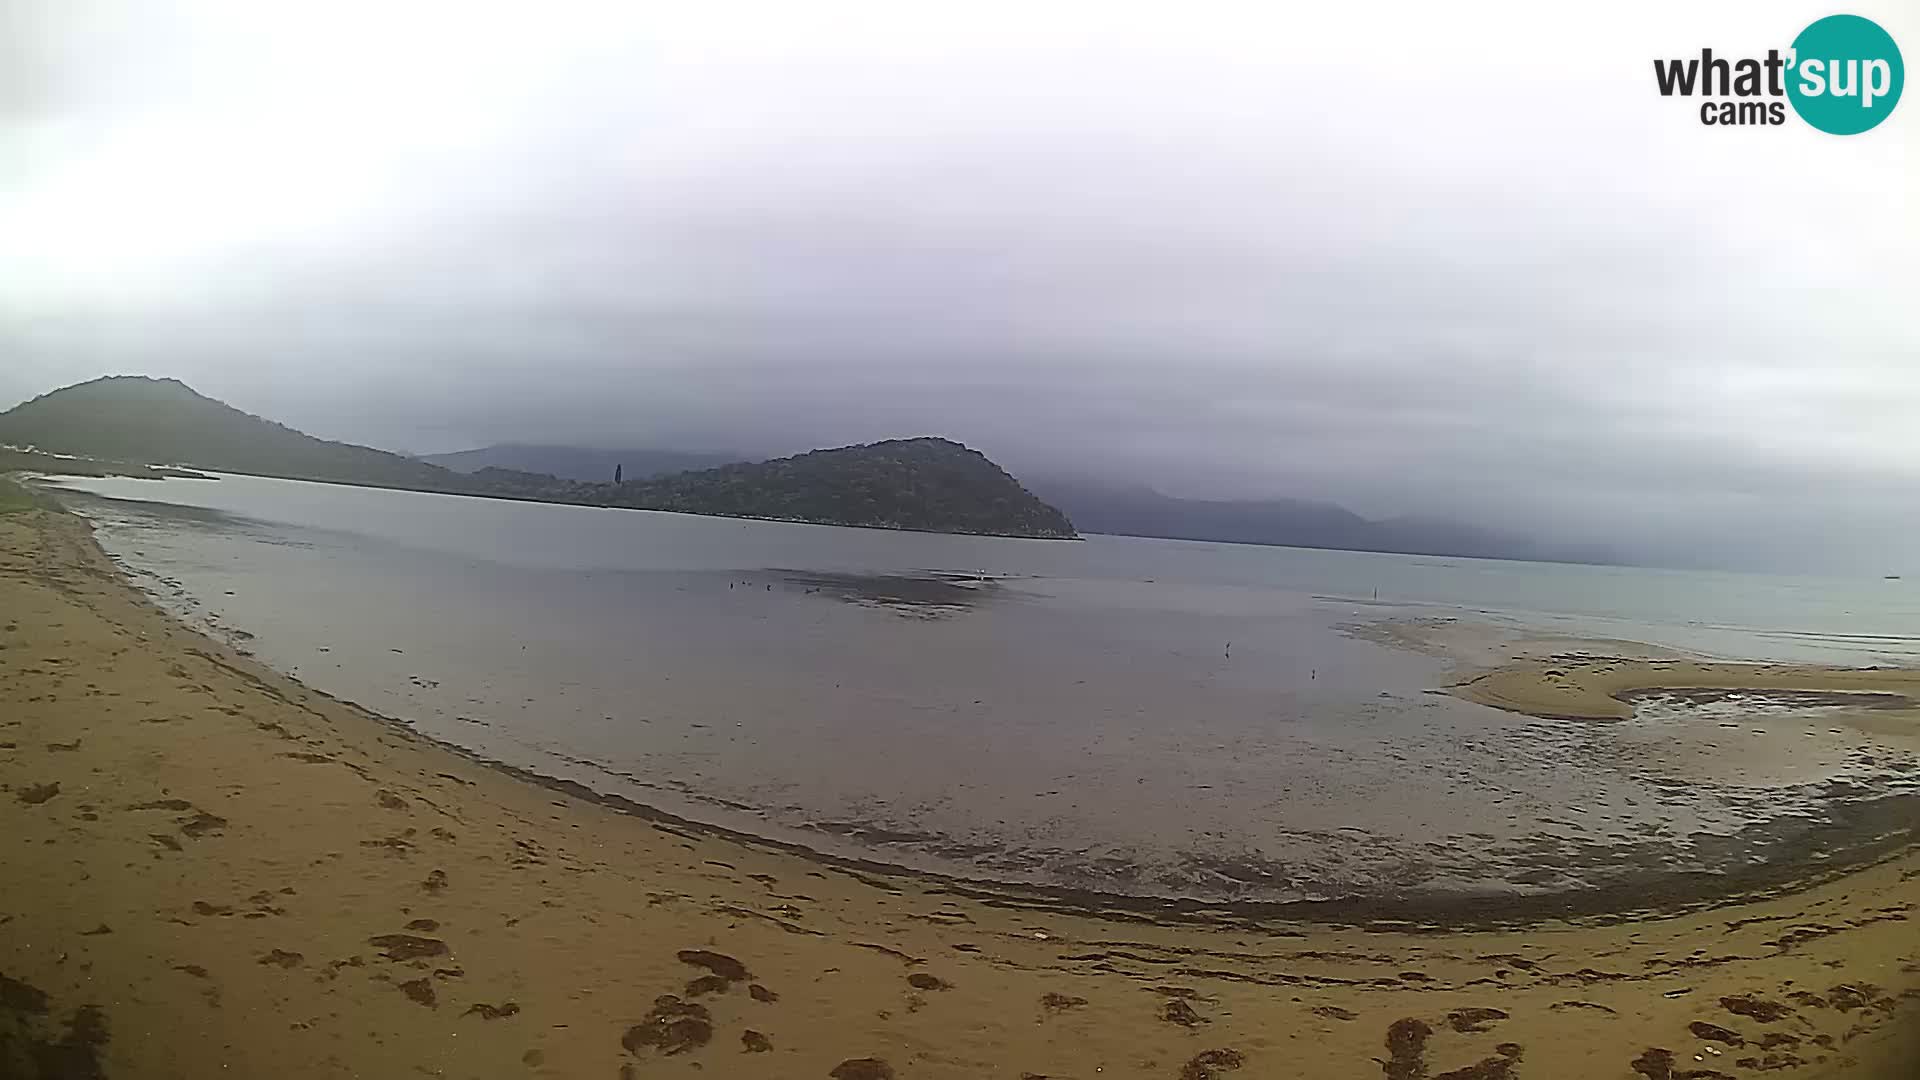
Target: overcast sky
<point x="1414" y="257"/>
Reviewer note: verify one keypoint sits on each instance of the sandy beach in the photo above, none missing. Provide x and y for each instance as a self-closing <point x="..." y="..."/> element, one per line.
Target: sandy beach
<point x="211" y="869"/>
<point x="1585" y="687"/>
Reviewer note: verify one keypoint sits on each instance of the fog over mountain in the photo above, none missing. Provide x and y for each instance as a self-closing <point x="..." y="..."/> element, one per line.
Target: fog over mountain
<point x="1472" y="268"/>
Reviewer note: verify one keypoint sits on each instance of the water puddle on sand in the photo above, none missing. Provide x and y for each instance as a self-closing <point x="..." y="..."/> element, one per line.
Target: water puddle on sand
<point x="1805" y="772"/>
<point x="1765" y="738"/>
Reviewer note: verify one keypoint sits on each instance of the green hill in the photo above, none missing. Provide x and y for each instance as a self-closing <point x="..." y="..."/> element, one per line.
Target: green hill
<point x="927" y="484"/>
<point x="164" y="422"/>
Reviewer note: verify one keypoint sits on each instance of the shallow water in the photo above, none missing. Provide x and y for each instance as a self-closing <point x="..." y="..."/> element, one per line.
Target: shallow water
<point x="1159" y="718"/>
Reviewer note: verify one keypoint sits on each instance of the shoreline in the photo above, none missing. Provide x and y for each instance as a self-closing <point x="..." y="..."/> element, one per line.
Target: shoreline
<point x="174" y="472"/>
<point x="1892" y="821"/>
<point x="835" y="952"/>
<point x="1867" y="830"/>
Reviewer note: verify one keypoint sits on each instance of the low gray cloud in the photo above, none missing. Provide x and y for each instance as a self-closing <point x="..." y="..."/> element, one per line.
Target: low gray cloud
<point x="1462" y="263"/>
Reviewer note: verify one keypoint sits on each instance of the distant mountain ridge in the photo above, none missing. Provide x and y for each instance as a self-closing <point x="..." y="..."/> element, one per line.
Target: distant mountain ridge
<point x="926" y="483"/>
<point x="931" y="484"/>
<point x="1138" y="510"/>
<point x="586" y="464"/>
<point x="1141" y="511"/>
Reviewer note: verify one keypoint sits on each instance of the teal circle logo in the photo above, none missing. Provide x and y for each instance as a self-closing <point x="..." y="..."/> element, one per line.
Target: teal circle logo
<point x="1847" y="75"/>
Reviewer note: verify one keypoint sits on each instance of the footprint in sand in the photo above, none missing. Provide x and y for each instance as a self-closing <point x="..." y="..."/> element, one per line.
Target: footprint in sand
<point x="1209" y="1064"/>
<point x="1052" y="1003"/>
<point x="1754" y="1008"/>
<point x="1407" y="1049"/>
<point x="1715" y="1033"/>
<point x="1656" y="1063"/>
<point x="402" y="947"/>
<point x="1177" y="1011"/>
<point x="39" y="793"/>
<point x="201" y="823"/>
<point x="672" y="1026"/>
<point x="1493" y="1068"/>
<point x="707" y="984"/>
<point x="1471" y="1021"/>
<point x="719" y="964"/>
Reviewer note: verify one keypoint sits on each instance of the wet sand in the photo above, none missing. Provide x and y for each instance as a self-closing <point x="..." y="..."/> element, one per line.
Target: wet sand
<point x="211" y="869"/>
<point x="1580" y="686"/>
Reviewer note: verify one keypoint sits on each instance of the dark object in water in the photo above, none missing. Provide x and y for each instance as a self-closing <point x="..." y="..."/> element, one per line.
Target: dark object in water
<point x="928" y="594"/>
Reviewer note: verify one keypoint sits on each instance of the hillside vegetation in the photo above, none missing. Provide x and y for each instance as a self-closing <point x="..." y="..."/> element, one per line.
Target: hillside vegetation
<point x="930" y="484"/>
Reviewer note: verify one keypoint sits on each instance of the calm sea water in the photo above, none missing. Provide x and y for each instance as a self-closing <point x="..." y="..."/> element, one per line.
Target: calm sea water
<point x="1135" y="716"/>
